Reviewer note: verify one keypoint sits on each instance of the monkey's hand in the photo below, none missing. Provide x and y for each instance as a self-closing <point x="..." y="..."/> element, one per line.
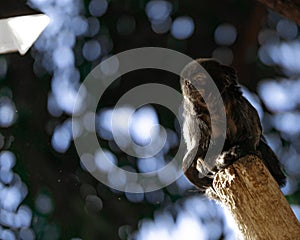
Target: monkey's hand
<point x="196" y="170"/>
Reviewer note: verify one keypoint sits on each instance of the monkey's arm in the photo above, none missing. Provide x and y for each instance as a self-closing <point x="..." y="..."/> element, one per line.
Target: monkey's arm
<point x="194" y="168"/>
<point x="243" y="128"/>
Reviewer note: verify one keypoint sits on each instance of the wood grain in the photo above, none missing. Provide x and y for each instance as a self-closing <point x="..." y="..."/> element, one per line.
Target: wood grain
<point x="254" y="199"/>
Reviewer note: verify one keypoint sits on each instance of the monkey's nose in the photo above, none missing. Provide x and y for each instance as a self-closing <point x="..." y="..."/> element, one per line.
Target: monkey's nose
<point x="187" y="82"/>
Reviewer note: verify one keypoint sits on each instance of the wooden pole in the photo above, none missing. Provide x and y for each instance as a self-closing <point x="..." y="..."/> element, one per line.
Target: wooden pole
<point x="254" y="199"/>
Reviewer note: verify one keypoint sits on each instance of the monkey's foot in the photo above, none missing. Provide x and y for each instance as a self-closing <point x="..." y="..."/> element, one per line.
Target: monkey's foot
<point x="228" y="157"/>
<point x="233" y="154"/>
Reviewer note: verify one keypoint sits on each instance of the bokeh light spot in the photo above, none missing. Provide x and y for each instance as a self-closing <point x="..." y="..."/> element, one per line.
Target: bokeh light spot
<point x="93" y="204"/>
<point x="149" y="164"/>
<point x="162" y="26"/>
<point x="43" y="204"/>
<point x="275" y="97"/>
<point x="10" y="198"/>
<point x="287" y="29"/>
<point x="110" y="68"/>
<point x="66" y="38"/>
<point x="79" y="25"/>
<point x="183" y="27"/>
<point x="142" y="125"/>
<point x="61" y="139"/>
<point x="98" y="7"/>
<point x="7" y="160"/>
<point x="158" y="10"/>
<point x="91" y="50"/>
<point x="26" y="234"/>
<point x="7" y="235"/>
<point x="93" y="26"/>
<point x="63" y="57"/>
<point x="7" y="112"/>
<point x="105" y="160"/>
<point x="225" y="34"/>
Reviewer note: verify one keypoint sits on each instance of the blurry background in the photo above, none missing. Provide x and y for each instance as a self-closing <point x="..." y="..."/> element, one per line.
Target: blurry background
<point x="45" y="193"/>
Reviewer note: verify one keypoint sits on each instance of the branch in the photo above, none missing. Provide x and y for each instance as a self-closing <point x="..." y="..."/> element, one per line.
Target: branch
<point x="253" y="197"/>
<point x="288" y="8"/>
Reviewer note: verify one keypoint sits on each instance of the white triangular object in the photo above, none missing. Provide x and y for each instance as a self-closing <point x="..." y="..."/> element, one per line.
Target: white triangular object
<point x="7" y="42"/>
<point x="26" y="29"/>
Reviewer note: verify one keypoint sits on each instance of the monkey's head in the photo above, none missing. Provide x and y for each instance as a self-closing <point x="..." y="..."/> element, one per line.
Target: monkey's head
<point x="196" y="83"/>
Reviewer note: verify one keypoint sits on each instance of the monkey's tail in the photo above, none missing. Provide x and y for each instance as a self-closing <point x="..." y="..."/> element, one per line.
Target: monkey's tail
<point x="271" y="161"/>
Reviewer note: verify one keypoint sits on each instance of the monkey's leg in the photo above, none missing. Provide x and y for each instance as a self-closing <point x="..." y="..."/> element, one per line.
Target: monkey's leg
<point x="228" y="157"/>
<point x="236" y="152"/>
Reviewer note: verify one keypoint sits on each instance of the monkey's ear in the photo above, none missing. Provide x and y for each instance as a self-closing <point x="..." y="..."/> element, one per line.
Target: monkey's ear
<point x="231" y="74"/>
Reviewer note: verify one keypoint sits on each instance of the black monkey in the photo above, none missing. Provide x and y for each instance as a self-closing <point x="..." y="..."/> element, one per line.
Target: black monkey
<point x="243" y="131"/>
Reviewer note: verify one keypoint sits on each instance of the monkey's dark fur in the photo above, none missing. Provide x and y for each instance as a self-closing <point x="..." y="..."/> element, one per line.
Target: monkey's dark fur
<point x="243" y="131"/>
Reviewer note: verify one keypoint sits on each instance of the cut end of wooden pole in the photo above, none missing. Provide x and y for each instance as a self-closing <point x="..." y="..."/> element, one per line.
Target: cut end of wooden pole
<point x="253" y="197"/>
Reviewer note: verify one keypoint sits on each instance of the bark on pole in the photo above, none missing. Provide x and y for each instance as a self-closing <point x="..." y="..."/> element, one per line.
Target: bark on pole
<point x="255" y="201"/>
<point x="288" y="8"/>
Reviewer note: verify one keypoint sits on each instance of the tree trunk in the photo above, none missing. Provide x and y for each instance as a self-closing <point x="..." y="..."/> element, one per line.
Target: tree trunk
<point x="288" y="8"/>
<point x="254" y="199"/>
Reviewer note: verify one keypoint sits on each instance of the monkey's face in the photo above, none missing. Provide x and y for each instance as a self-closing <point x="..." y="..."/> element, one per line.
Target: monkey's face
<point x="196" y="83"/>
<point x="193" y="89"/>
<point x="223" y="76"/>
